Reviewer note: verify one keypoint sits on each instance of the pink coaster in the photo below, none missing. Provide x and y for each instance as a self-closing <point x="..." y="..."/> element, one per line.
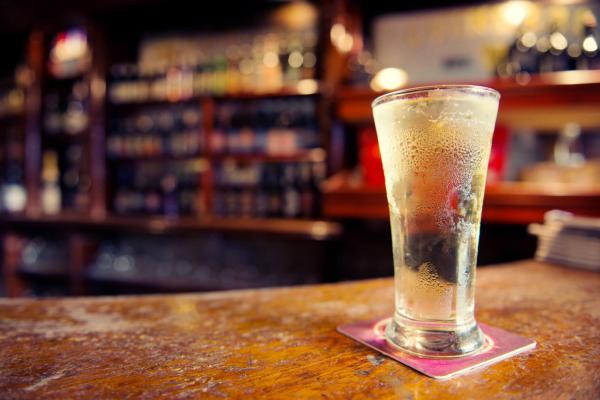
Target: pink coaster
<point x="499" y="346"/>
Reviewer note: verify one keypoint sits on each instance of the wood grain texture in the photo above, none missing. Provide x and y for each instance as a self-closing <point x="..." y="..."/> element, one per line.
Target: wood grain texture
<point x="282" y="343"/>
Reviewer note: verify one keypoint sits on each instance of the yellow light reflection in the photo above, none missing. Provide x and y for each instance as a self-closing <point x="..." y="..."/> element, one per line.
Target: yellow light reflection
<point x="389" y="79"/>
<point x="307" y="86"/>
<point x="589" y="44"/>
<point x="515" y="12"/>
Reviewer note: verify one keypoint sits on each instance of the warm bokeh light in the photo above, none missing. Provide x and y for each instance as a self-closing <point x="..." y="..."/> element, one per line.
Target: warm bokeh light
<point x="70" y="45"/>
<point x="389" y="79"/>
<point x="558" y="41"/>
<point x="270" y="59"/>
<point x="515" y="12"/>
<point x="307" y="86"/>
<point x="589" y="44"/>
<point x="337" y="32"/>
<point x="296" y="15"/>
<point x="340" y="38"/>
<point x="529" y="39"/>
<point x="295" y="59"/>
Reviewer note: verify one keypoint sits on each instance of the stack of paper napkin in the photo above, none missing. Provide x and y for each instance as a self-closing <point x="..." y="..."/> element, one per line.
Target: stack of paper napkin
<point x="568" y="240"/>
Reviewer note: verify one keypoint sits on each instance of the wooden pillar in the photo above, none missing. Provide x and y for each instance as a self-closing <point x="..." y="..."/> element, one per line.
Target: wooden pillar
<point x="96" y="145"/>
<point x="33" y="105"/>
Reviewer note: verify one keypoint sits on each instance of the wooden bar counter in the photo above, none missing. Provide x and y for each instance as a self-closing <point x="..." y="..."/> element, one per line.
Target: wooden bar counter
<point x="282" y="343"/>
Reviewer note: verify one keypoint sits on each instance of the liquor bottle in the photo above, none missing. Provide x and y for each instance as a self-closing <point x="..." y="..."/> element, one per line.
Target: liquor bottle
<point x="75" y="117"/>
<point x="273" y="190"/>
<point x="522" y="56"/>
<point x="307" y="194"/>
<point x="246" y="132"/>
<point x="170" y="195"/>
<point x="232" y="124"/>
<point x="233" y="79"/>
<point x="293" y="61"/>
<point x="217" y="196"/>
<point x="589" y="56"/>
<point x="317" y="177"/>
<point x="290" y="192"/>
<point x="192" y="124"/>
<point x="553" y="47"/>
<point x="153" y="202"/>
<point x="52" y="113"/>
<point x="306" y="124"/>
<point x="50" y="196"/>
<point x="309" y="62"/>
<point x="13" y="194"/>
<point x="165" y="125"/>
<point x="74" y="181"/>
<point x="262" y="198"/>
<point x="12" y="101"/>
<point x="246" y="193"/>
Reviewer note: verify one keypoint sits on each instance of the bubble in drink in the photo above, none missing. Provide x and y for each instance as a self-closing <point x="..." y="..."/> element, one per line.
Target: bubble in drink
<point x="435" y="150"/>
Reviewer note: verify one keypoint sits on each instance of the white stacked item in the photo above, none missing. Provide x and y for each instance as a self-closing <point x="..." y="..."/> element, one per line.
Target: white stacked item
<point x="568" y="240"/>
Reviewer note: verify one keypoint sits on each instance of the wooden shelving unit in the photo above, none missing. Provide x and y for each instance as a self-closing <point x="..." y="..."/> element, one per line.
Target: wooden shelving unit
<point x="545" y="101"/>
<point x="504" y="203"/>
<point x="207" y="106"/>
<point x="308" y="229"/>
<point x="83" y="228"/>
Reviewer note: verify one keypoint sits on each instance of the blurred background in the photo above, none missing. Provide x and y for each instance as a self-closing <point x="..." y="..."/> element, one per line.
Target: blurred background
<point x="159" y="146"/>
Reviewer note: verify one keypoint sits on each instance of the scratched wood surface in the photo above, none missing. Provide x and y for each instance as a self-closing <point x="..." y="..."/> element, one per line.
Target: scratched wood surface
<point x="282" y="343"/>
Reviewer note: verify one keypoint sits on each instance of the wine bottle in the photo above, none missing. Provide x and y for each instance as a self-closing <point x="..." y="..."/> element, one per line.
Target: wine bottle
<point x="261" y="201"/>
<point x="553" y="47"/>
<point x="589" y="57"/>
<point x="307" y="194"/>
<point x="290" y="192"/>
<point x="50" y="196"/>
<point x="274" y="191"/>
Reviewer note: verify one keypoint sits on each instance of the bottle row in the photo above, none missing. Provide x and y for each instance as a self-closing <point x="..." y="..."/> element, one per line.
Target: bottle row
<point x="65" y="179"/>
<point x="270" y="126"/>
<point x="288" y="190"/>
<point x="12" y="92"/>
<point x="157" y="202"/>
<point x="169" y="130"/>
<point x="182" y="143"/>
<point x="12" y="169"/>
<point x="156" y="188"/>
<point x="555" y="49"/>
<point x="66" y="109"/>
<point x="12" y="102"/>
<point x="182" y="67"/>
<point x="277" y="127"/>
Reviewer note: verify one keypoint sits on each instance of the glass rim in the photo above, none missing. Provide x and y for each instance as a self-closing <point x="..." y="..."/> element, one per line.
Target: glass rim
<point x="469" y="89"/>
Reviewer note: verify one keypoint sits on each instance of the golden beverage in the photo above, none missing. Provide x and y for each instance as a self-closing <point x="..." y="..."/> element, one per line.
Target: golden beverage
<point x="435" y="144"/>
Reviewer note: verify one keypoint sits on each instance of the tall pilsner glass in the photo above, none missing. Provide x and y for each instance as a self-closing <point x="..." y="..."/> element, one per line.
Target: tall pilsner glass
<point x="435" y="145"/>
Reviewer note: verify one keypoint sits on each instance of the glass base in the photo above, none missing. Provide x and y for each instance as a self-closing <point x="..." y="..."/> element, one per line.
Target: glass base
<point x="433" y="339"/>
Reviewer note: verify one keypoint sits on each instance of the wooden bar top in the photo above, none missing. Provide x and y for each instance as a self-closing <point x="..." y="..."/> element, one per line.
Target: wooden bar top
<point x="282" y="343"/>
